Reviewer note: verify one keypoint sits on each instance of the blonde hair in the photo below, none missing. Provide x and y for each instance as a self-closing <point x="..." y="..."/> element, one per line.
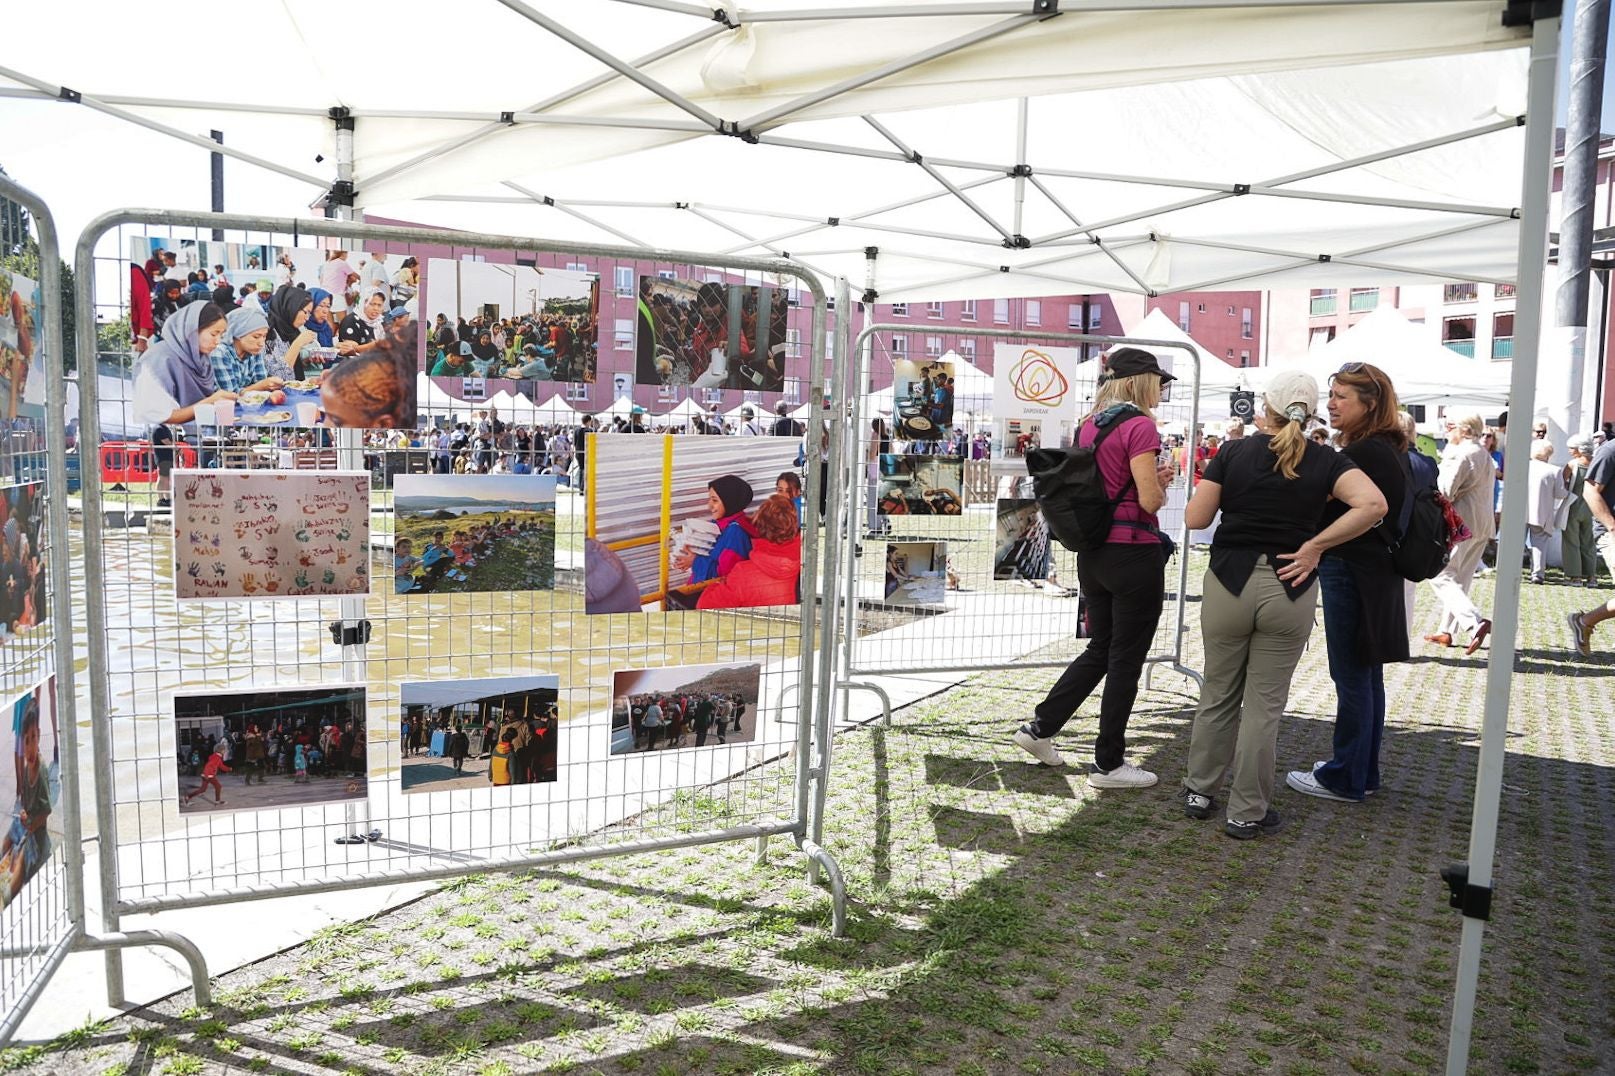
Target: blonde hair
<point x="1289" y="442"/>
<point x="1143" y="391"/>
<point x="1542" y="450"/>
<point x="1471" y="424"/>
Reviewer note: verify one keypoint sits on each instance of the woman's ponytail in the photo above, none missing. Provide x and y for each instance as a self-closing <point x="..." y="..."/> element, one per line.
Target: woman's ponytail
<point x="1289" y="442"/>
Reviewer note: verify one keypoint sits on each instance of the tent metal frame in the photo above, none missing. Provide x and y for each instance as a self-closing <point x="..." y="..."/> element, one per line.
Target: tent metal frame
<point x="1542" y="15"/>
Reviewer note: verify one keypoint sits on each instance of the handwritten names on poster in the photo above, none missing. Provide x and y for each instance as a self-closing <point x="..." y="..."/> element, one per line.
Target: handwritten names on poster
<point x="271" y="534"/>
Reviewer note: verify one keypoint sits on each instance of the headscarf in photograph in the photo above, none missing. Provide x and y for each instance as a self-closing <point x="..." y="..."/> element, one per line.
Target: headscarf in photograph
<point x="735" y="493"/>
<point x="245" y="320"/>
<point x="283" y="308"/>
<point x="176" y="361"/>
<point x="325" y="330"/>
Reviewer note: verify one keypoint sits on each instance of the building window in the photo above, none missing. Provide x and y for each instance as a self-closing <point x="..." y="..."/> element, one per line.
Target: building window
<point x="711" y="398"/>
<point x="793" y="343"/>
<point x="1323" y="301"/>
<point x="1460" y="293"/>
<point x="667" y="394"/>
<point x="899" y="310"/>
<point x="1200" y="308"/>
<point x="933" y="310"/>
<point x="899" y="347"/>
<point x="667" y="274"/>
<point x="1073" y="316"/>
<point x="967" y="310"/>
<point x="753" y="397"/>
<point x="1001" y="311"/>
<point x="1459" y="335"/>
<point x="1322" y="335"/>
<point x="1502" y="336"/>
<point x="793" y="390"/>
<point x="1183" y="315"/>
<point x="1245" y="322"/>
<point x="1364" y="298"/>
<point x="1096" y="318"/>
<point x="577" y="390"/>
<point x="625" y="279"/>
<point x="1034" y="312"/>
<point x="473" y="388"/>
<point x="933" y="347"/>
<point x="1244" y="358"/>
<point x="793" y="296"/>
<point x="1504" y="291"/>
<point x="622" y="336"/>
<point x="1230" y="354"/>
<point x="576" y="267"/>
<point x="1230" y="311"/>
<point x="967" y="349"/>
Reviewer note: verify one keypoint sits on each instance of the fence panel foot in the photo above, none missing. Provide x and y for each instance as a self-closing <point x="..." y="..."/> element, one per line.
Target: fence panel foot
<point x="818" y="857"/>
<point x="201" y="988"/>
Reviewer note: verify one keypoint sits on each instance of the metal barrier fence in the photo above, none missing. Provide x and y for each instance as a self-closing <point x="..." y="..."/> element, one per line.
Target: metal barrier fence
<point x="168" y="671"/>
<point x="969" y="583"/>
<point x="41" y="881"/>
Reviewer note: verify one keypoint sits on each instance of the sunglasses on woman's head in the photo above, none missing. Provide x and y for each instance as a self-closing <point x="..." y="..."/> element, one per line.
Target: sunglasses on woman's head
<point x="1351" y="368"/>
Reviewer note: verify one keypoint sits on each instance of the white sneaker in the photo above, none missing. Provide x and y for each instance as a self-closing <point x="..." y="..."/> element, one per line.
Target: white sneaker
<point x="1321" y="763"/>
<point x="1040" y="748"/>
<point x="1126" y="775"/>
<point x="1304" y="781"/>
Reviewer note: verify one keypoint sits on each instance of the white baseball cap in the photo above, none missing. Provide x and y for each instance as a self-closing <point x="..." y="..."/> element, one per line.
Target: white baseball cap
<point x="1293" y="394"/>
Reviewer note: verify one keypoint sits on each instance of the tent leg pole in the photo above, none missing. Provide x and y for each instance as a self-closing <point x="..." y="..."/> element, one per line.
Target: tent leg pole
<point x="1472" y="889"/>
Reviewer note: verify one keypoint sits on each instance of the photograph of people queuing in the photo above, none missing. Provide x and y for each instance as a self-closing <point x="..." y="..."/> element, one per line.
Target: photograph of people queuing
<point x="459" y="734"/>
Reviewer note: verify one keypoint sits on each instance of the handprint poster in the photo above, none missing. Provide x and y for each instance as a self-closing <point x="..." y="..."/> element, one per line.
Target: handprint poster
<point x="271" y="534"/>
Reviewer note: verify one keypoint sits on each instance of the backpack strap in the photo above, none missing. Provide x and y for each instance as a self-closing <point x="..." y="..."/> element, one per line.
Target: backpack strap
<point x="1099" y="439"/>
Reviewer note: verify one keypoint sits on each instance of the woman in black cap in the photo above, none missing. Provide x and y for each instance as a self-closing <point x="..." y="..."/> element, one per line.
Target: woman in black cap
<point x="1124" y="580"/>
<point x="728" y="497"/>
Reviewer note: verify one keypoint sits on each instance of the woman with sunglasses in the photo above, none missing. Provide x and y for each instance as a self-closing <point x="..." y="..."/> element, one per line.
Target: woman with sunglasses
<point x="1468" y="477"/>
<point x="1124" y="579"/>
<point x="1364" y="618"/>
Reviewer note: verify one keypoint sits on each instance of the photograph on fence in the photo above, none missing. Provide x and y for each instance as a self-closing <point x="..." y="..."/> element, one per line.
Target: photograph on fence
<point x="699" y="523"/>
<point x="24" y="604"/>
<point x="479" y="733"/>
<point x="921" y="485"/>
<point x="916" y="573"/>
<point x="318" y="337"/>
<point x="684" y="706"/>
<point x="922" y="398"/>
<point x="1021" y="548"/>
<point x="456" y="534"/>
<point x="32" y="743"/>
<point x="255" y="749"/>
<point x="512" y="322"/>
<point x="21" y="392"/>
<point x="711" y="335"/>
<point x="271" y="534"/>
<point x="1037" y="391"/>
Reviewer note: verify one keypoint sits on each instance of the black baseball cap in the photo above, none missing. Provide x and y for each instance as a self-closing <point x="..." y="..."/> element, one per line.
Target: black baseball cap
<point x="1130" y="361"/>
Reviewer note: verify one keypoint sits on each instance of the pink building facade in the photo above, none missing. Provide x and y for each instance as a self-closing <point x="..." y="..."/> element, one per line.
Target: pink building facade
<point x="1226" y="323"/>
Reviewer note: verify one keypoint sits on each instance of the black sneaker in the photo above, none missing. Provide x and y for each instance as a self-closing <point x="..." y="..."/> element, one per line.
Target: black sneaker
<point x="1244" y="831"/>
<point x="1197" y="806"/>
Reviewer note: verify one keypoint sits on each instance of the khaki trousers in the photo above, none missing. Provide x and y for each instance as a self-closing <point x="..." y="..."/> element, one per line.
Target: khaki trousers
<point x="1253" y="643"/>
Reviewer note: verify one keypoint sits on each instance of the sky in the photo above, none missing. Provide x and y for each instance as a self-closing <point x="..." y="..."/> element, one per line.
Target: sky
<point x="497" y="488"/>
<point x="631" y="681"/>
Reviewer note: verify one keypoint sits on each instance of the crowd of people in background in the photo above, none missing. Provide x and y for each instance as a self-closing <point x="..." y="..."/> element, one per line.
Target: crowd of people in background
<point x="670" y="720"/>
<point x="300" y="750"/>
<point x="520" y="749"/>
<point x="530" y="347"/>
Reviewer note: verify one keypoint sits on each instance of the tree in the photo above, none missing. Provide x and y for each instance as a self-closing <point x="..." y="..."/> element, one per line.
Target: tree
<point x="19" y="252"/>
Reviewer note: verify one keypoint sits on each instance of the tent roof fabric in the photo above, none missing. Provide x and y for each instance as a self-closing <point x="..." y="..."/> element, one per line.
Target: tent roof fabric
<point x="1225" y="131"/>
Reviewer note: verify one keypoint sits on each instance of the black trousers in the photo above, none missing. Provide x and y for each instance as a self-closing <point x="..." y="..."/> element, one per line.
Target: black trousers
<point x="1125" y="585"/>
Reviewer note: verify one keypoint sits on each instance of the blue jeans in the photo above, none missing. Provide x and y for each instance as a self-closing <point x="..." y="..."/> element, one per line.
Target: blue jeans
<point x="1359" y="688"/>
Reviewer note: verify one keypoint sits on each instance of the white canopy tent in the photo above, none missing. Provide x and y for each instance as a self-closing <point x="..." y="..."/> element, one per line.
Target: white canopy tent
<point x="1217" y="378"/>
<point x="433" y="399"/>
<point x="1316" y="143"/>
<point x="1424" y="371"/>
<point x="556" y="411"/>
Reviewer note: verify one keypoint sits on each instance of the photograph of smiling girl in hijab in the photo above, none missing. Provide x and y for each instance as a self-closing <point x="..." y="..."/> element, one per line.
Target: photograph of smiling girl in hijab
<point x="719" y="531"/>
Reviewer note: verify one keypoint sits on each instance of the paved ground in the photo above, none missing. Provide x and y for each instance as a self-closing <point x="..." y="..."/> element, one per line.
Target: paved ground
<point x="276" y="791"/>
<point x="1006" y="918"/>
<point x="424" y="773"/>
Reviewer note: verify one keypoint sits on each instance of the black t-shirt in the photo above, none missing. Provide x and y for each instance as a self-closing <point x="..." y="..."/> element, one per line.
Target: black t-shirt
<point x="355" y="329"/>
<point x="1602" y="471"/>
<point x="1264" y="512"/>
<point x="1387" y="467"/>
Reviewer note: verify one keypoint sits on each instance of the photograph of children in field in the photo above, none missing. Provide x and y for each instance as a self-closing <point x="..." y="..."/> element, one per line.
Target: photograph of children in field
<point x="457" y="534"/>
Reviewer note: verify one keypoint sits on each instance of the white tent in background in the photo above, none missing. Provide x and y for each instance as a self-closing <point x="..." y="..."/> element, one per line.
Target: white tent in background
<point x="433" y="400"/>
<point x="687" y="409"/>
<point x="621" y="407"/>
<point x="1217" y="378"/>
<point x="522" y="409"/>
<point x="501" y="402"/>
<point x="972" y="388"/>
<point x="1423" y="370"/>
<point x="803" y="413"/>
<point x="556" y="411"/>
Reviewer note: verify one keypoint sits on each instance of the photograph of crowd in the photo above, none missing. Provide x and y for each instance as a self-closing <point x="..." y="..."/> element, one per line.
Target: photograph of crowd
<point x="729" y="537"/>
<point x="19" y="297"/>
<point x="29" y="736"/>
<point x="312" y="338"/>
<point x="23" y="600"/>
<point x="916" y="573"/>
<point x="479" y="733"/>
<point x="1021" y="547"/>
<point x="457" y="534"/>
<point x="269" y="535"/>
<point x="710" y="335"/>
<point x="912" y="485"/>
<point x="252" y="749"/>
<point x="922" y="398"/>
<point x="515" y="322"/>
<point x="683" y="706"/>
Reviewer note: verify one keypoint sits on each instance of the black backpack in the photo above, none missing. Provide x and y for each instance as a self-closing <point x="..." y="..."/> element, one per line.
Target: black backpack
<point x="1070" y="489"/>
<point x="1426" y="535"/>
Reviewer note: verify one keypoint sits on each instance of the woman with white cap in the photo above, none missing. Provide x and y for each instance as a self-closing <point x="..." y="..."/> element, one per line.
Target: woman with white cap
<point x="1260" y="593"/>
